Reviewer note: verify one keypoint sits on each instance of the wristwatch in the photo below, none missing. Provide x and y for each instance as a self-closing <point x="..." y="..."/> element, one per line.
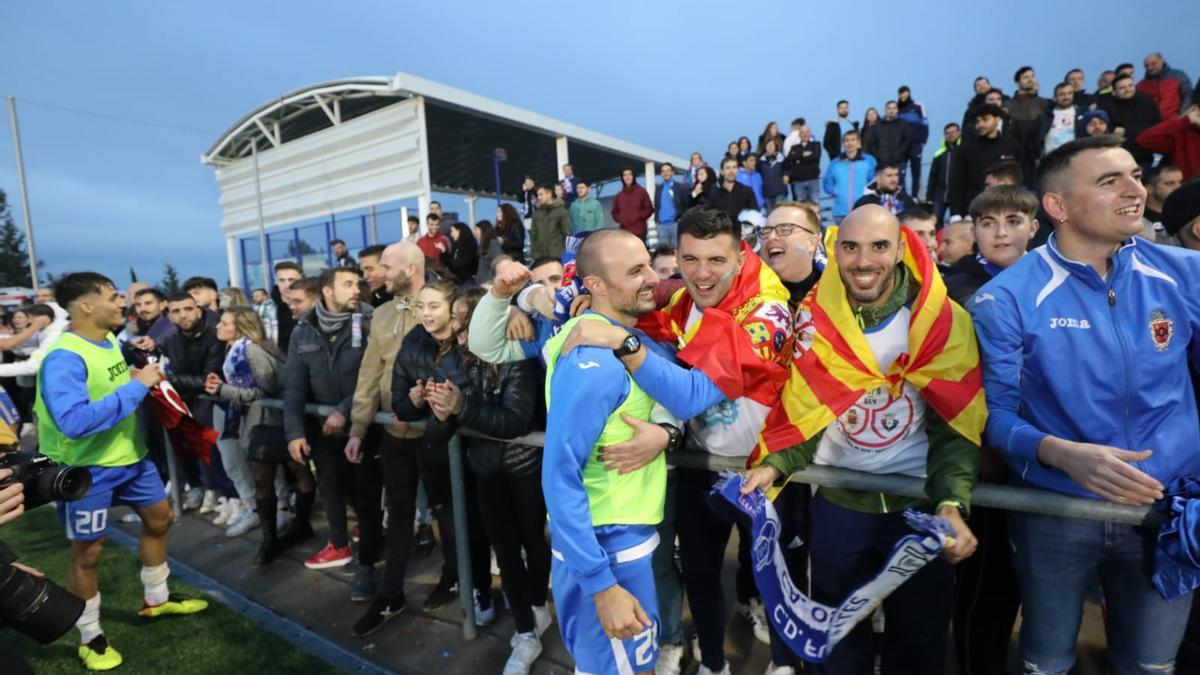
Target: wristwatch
<point x="630" y="345"/>
<point x="674" y="437"/>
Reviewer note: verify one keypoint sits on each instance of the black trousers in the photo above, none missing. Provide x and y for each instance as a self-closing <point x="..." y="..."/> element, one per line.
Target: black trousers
<point x="703" y="536"/>
<point x="403" y="461"/>
<point x="514" y="516"/>
<point x="986" y="599"/>
<point x="339" y="482"/>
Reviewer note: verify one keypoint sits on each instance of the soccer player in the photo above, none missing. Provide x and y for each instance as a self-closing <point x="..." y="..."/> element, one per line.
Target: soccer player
<point x="85" y="406"/>
<point x="602" y="523"/>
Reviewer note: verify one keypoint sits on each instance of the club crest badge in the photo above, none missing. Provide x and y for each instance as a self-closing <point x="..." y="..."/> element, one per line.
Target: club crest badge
<point x="1162" y="329"/>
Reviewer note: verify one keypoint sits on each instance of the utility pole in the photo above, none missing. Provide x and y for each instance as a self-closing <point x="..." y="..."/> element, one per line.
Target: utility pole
<point x="16" y="134"/>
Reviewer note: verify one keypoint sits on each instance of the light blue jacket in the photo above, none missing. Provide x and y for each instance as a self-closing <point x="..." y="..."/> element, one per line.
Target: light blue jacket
<point x="846" y="179"/>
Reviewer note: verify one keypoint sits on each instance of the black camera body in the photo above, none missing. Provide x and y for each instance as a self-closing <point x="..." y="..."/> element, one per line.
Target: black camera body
<point x="44" y="479"/>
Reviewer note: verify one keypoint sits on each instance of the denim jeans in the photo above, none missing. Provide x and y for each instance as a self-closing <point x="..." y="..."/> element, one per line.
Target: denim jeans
<point x="807" y="190"/>
<point x="666" y="233"/>
<point x="1058" y="560"/>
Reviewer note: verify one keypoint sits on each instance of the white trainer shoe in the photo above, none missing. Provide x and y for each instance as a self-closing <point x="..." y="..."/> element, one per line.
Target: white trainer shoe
<point x="541" y="619"/>
<point x="526" y="648"/>
<point x="247" y="520"/>
<point x="756" y="614"/>
<point x="224" y="512"/>
<point x="209" y="502"/>
<point x="670" y="659"/>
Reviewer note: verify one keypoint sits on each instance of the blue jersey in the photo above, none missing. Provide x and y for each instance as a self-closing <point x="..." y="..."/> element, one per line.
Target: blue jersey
<point x="1090" y="359"/>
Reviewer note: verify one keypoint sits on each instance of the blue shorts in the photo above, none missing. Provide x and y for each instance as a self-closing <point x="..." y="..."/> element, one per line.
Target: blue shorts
<point x="135" y="485"/>
<point x="593" y="651"/>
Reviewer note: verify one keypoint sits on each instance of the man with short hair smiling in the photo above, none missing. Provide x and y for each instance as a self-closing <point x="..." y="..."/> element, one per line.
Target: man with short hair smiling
<point x="373" y="275"/>
<point x="302" y="295"/>
<point x="868" y="305"/>
<point x="1086" y="353"/>
<point x="723" y="280"/>
<point x="608" y="611"/>
<point x="86" y="401"/>
<point x="1057" y="125"/>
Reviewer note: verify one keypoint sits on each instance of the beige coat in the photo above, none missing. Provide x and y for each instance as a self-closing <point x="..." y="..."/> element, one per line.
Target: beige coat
<point x="373" y="393"/>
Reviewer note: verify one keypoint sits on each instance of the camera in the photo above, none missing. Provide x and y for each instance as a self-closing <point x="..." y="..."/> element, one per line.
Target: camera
<point x="45" y="480"/>
<point x="35" y="606"/>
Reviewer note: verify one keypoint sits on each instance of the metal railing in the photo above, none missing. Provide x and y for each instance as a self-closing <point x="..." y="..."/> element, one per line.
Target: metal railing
<point x="1005" y="497"/>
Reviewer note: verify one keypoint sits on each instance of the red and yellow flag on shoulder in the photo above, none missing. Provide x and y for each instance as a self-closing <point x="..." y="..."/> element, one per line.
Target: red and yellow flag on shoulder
<point x="742" y="344"/>
<point x="834" y="365"/>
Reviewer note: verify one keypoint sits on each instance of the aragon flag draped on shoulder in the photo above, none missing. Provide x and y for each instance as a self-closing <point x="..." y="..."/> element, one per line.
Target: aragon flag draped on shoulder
<point x="742" y="344"/>
<point x="838" y="367"/>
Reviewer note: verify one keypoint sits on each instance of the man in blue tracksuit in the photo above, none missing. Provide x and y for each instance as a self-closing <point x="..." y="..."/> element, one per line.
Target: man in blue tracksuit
<point x="1086" y="344"/>
<point x="603" y="523"/>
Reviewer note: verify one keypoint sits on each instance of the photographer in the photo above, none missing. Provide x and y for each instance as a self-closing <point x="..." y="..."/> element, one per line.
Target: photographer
<point x="86" y="402"/>
<point x="12" y="505"/>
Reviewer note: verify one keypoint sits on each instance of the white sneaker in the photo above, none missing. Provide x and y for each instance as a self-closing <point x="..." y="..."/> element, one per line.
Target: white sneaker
<point x="526" y="648"/>
<point x="224" y="512"/>
<point x="773" y="669"/>
<point x="756" y="615"/>
<point x="541" y="619"/>
<point x="247" y="520"/>
<point x="705" y="671"/>
<point x="209" y="503"/>
<point x="670" y="660"/>
<point x="192" y="499"/>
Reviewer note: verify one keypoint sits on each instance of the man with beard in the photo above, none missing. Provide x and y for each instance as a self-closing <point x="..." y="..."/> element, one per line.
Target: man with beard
<point x="192" y="353"/>
<point x="1026" y="108"/>
<point x="887" y="190"/>
<point x="602" y="523"/>
<point x="1130" y="112"/>
<point x="322" y="367"/>
<point x="739" y="367"/>
<point x="394" y="450"/>
<point x="151" y="307"/>
<point x="868" y="301"/>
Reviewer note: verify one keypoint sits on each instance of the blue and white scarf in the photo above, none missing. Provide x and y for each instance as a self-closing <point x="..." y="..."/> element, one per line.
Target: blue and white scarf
<point x="238" y="374"/>
<point x="812" y="629"/>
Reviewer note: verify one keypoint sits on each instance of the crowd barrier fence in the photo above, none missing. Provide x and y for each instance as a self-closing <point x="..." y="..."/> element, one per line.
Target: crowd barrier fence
<point x="1007" y="497"/>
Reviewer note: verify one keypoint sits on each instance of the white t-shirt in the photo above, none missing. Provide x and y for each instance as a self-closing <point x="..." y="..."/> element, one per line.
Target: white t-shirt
<point x="881" y="433"/>
<point x="1062" y="129"/>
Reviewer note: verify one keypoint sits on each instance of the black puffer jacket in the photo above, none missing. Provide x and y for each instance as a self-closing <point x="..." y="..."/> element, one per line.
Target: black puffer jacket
<point x="416" y="360"/>
<point x="499" y="401"/>
<point x="192" y="356"/>
<point x="322" y="368"/>
<point x="889" y="141"/>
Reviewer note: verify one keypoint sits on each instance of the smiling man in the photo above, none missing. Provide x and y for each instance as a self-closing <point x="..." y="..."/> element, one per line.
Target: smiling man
<point x="1004" y="220"/>
<point x="1085" y="347"/>
<point x="735" y="327"/>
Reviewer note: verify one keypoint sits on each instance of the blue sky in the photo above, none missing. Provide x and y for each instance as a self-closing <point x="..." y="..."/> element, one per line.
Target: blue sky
<point x="107" y="193"/>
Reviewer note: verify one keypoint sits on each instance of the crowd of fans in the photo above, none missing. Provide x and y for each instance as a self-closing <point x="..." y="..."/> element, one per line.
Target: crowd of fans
<point x="455" y="327"/>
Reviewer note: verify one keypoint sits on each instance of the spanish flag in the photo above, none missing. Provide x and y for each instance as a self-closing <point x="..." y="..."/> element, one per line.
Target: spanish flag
<point x="743" y="344"/>
<point x="838" y="368"/>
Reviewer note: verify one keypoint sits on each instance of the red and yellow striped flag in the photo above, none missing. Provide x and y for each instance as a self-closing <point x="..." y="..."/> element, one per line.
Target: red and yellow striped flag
<point x="838" y="368"/>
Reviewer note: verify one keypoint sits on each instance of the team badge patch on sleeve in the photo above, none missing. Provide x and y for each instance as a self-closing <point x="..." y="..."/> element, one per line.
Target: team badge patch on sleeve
<point x="1162" y="329"/>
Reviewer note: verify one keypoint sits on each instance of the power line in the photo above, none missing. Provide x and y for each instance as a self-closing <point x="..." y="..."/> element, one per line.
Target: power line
<point x="118" y="118"/>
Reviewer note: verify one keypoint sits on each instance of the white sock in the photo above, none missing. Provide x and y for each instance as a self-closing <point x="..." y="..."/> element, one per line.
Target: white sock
<point x="89" y="622"/>
<point x="154" y="579"/>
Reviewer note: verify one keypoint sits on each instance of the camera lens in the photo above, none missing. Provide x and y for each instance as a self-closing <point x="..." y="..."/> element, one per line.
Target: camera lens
<point x="72" y="483"/>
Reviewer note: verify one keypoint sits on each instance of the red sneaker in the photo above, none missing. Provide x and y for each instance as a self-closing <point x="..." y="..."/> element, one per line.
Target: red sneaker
<point x="328" y="557"/>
